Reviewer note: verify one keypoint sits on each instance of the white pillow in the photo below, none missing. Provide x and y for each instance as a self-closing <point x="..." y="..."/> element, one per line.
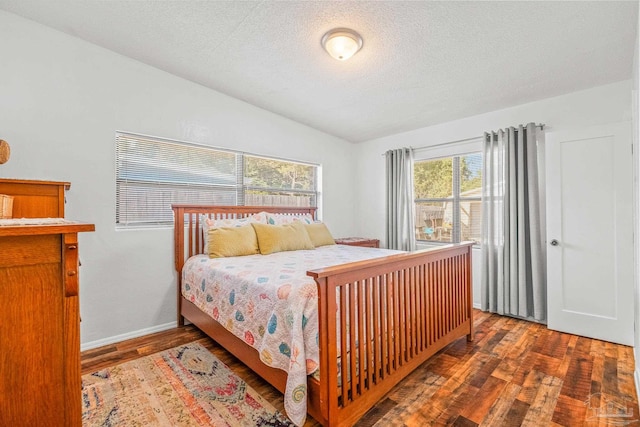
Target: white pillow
<point x="283" y="219"/>
<point x="208" y="223"/>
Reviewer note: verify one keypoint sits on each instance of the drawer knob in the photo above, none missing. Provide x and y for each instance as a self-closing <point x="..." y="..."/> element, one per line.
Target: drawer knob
<point x="72" y="273"/>
<point x="72" y="247"/>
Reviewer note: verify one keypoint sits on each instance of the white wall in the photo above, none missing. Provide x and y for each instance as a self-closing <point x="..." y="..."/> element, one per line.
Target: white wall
<point x="600" y="105"/>
<point x="61" y="101"/>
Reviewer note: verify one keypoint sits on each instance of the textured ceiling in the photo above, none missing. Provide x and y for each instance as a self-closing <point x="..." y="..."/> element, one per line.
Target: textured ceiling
<point x="422" y="62"/>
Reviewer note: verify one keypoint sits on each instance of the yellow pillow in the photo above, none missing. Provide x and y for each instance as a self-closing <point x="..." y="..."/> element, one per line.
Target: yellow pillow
<point x="232" y="241"/>
<point x="280" y="238"/>
<point x="319" y="234"/>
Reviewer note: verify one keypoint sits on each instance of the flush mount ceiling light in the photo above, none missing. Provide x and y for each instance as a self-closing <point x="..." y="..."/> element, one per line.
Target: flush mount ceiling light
<point x="342" y="43"/>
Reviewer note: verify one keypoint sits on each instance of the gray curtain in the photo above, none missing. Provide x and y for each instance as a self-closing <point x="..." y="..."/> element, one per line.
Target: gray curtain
<point x="513" y="223"/>
<point x="400" y="205"/>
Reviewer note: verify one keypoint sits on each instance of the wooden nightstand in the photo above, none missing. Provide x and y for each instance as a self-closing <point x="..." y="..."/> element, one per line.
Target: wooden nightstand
<point x="358" y="241"/>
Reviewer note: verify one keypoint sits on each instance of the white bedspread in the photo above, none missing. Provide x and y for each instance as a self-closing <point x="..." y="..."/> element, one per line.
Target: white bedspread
<point x="271" y="304"/>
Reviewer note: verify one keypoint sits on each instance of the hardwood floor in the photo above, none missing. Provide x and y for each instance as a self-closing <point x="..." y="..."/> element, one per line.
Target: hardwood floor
<point x="514" y="373"/>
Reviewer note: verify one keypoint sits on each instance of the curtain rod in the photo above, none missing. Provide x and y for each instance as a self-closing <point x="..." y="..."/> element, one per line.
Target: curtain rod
<point x="459" y="141"/>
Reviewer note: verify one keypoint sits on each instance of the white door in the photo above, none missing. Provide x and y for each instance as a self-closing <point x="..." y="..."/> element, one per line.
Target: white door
<point x="590" y="232"/>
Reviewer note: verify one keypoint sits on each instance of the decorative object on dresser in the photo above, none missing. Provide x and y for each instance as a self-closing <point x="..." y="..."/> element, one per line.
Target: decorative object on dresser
<point x="6" y="206"/>
<point x="410" y="304"/>
<point x="35" y="199"/>
<point x="5" y="151"/>
<point x="358" y="241"/>
<point x="40" y="357"/>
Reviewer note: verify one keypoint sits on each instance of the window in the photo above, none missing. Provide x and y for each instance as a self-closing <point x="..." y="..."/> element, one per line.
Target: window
<point x="448" y="197"/>
<point x="152" y="173"/>
<point x="272" y="182"/>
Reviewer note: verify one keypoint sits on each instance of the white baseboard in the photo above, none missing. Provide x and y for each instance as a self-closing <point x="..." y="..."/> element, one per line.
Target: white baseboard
<point x="134" y="334"/>
<point x="477" y="305"/>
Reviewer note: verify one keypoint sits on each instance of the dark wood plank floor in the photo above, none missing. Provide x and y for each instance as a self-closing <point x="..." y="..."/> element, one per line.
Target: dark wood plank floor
<point x="514" y="373"/>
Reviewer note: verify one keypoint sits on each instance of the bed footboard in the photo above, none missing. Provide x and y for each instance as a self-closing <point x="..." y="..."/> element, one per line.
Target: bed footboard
<point x="380" y="319"/>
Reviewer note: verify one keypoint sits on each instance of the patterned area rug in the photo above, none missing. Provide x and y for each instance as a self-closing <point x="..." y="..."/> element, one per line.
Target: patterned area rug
<point x="184" y="386"/>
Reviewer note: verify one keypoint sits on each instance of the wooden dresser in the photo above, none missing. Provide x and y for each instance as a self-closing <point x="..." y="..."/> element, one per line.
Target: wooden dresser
<point x="40" y="381"/>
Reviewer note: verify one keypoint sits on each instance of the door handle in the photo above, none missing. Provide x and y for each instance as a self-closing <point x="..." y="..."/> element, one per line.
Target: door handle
<point x="554" y="242"/>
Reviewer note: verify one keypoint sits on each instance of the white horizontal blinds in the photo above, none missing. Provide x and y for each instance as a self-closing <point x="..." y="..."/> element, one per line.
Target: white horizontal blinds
<point x="152" y="173"/>
<point x="275" y="182"/>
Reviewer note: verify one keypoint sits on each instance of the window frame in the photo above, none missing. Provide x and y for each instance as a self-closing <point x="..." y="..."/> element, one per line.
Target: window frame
<point x="239" y="188"/>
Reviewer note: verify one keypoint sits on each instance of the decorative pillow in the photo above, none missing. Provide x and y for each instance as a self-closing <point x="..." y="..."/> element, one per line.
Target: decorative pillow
<point x="280" y="238"/>
<point x="208" y="223"/>
<point x="281" y="219"/>
<point x="232" y="241"/>
<point x="319" y="234"/>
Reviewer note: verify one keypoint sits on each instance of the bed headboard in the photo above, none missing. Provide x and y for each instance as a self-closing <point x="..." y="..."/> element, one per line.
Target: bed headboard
<point x="188" y="239"/>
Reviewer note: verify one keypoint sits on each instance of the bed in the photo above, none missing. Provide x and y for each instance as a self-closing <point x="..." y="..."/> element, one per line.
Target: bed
<point x="407" y="305"/>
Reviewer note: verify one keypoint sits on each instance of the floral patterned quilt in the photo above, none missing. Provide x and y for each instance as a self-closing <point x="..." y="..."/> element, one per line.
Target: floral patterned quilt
<point x="269" y="302"/>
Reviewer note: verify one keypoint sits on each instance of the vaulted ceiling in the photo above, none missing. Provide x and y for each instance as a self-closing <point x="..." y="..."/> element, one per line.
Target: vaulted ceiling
<point x="422" y="63"/>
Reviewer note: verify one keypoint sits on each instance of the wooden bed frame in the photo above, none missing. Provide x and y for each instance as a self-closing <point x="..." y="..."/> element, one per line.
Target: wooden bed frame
<point x="410" y="306"/>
